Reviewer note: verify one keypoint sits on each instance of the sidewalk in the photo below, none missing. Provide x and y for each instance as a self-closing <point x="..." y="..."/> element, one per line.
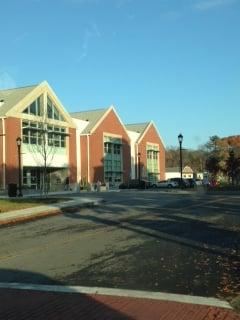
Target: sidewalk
<point x="20" y="303"/>
<point x="45" y="210"/>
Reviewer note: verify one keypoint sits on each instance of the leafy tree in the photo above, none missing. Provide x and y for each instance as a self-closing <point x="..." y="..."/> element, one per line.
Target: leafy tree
<point x="232" y="167"/>
<point x="212" y="144"/>
<point x="213" y="165"/>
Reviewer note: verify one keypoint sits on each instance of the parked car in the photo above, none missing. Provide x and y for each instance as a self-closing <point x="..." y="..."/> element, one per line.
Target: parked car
<point x="165" y="184"/>
<point x="192" y="183"/>
<point x="199" y="182"/>
<point x="135" y="184"/>
<point x="185" y="183"/>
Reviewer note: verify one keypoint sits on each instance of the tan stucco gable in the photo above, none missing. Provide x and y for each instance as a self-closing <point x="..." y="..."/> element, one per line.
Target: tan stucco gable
<point x="42" y="89"/>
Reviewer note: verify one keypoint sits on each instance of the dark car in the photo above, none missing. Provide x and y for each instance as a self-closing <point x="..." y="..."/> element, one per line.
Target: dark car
<point x="192" y="183"/>
<point x="135" y="184"/>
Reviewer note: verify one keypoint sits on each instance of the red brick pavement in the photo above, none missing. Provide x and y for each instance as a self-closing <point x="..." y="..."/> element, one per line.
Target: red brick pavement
<point x="25" y="304"/>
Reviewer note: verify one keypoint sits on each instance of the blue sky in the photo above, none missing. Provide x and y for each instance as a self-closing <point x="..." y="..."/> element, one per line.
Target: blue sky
<point x="176" y="62"/>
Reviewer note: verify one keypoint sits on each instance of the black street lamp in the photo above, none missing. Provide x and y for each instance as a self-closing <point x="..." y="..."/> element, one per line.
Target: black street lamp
<point x="180" y="140"/>
<point x="139" y="168"/>
<point x="19" y="144"/>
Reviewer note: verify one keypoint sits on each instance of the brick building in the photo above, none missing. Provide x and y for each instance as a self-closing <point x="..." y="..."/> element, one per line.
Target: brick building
<point x="92" y="146"/>
<point x="147" y="152"/>
<point x="104" y="146"/>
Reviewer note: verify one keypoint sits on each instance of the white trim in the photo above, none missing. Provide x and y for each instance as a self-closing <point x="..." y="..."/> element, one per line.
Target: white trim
<point x="109" y="134"/>
<point x="162" y="296"/>
<point x="88" y="159"/>
<point x="153" y="144"/>
<point x="100" y="120"/>
<point x="119" y="119"/>
<point x="4" y="154"/>
<point x="105" y="115"/>
<point x="159" y="134"/>
<point x="158" y="149"/>
<point x="42" y="88"/>
<point x="146" y="130"/>
<point x="78" y="156"/>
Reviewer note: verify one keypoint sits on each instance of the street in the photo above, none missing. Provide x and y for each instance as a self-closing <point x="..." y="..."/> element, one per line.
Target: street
<point x="169" y="241"/>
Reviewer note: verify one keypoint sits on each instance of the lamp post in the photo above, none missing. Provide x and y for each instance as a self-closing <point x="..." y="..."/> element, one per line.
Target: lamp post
<point x="139" y="168"/>
<point x="19" y="144"/>
<point x="180" y="140"/>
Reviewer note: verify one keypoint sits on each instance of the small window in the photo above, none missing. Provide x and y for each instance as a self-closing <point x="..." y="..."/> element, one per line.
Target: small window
<point x="32" y="108"/>
<point x="26" y="110"/>
<point x="117" y="149"/>
<point x="107" y="147"/>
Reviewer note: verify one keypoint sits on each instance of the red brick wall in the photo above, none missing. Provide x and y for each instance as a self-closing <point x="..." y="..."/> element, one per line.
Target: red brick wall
<point x="1" y="154"/>
<point x="110" y="125"/>
<point x="72" y="156"/>
<point x="13" y="130"/>
<point x="84" y="159"/>
<point x="152" y="137"/>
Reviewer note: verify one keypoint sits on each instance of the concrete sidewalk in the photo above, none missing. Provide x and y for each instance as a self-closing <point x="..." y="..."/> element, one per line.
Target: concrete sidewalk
<point x="36" y="302"/>
<point x="45" y="210"/>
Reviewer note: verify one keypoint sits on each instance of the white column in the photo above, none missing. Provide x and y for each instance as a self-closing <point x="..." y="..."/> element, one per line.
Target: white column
<point x="4" y="153"/>
<point x="88" y="159"/>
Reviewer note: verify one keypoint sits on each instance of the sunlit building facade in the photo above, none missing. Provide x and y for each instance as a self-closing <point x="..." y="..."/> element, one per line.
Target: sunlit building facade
<point x="86" y="146"/>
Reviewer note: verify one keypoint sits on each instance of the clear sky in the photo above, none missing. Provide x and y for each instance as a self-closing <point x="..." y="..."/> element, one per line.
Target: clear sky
<point x="176" y="62"/>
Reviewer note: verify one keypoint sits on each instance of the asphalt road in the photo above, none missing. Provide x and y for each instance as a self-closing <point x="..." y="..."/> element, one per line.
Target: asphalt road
<point x="149" y="240"/>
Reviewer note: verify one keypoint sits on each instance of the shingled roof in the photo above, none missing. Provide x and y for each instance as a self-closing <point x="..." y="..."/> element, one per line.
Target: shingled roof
<point x="10" y="97"/>
<point x="137" y="127"/>
<point x="92" y="116"/>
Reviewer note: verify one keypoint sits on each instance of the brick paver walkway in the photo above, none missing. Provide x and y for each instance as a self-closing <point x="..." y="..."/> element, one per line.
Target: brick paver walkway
<point x="26" y="304"/>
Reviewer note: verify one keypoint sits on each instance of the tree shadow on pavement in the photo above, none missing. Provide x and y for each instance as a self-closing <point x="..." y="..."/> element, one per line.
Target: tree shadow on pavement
<point x="195" y="234"/>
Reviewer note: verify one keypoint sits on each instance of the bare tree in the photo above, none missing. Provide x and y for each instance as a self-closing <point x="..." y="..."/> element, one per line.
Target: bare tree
<point x="42" y="148"/>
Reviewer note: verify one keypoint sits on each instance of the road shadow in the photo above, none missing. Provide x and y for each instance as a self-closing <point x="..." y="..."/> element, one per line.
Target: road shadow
<point x="200" y="235"/>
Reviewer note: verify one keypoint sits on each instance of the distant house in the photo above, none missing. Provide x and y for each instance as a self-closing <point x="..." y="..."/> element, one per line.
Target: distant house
<point x="173" y="172"/>
<point x="187" y="172"/>
<point x="200" y="175"/>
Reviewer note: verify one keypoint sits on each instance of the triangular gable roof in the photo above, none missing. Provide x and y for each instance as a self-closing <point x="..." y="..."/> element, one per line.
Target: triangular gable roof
<point x="11" y="97"/>
<point x="187" y="169"/>
<point x="137" y="127"/>
<point x="18" y="99"/>
<point x="95" y="117"/>
<point x="92" y="116"/>
<point x="142" y="128"/>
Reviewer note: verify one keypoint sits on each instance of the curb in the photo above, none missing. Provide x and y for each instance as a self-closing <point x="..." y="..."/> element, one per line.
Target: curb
<point x="22" y="216"/>
<point x="213" y="302"/>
